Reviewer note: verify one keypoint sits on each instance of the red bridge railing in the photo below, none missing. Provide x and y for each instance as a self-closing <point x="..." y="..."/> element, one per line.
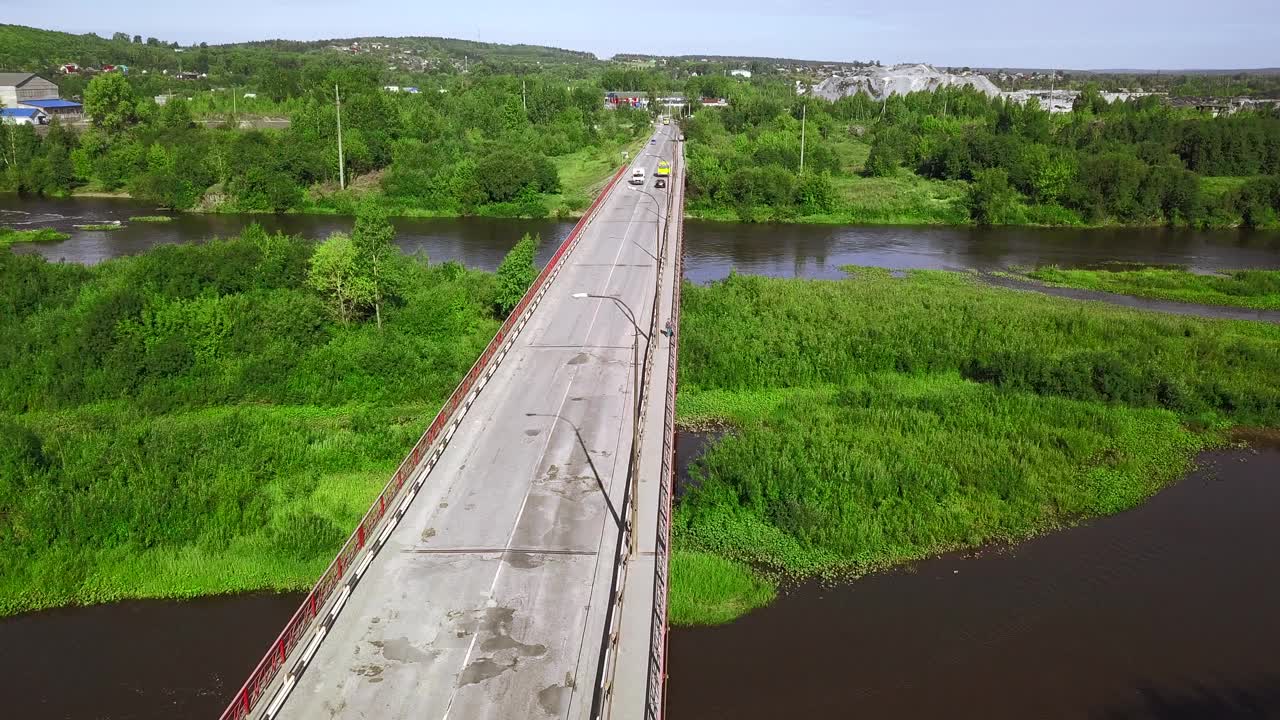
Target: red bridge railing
<point x="340" y="571"/>
<point x="656" y="684"/>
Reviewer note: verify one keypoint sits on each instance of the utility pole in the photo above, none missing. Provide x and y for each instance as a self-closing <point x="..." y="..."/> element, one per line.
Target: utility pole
<point x="804" y="111"/>
<point x="342" y="176"/>
<point x="524" y="100"/>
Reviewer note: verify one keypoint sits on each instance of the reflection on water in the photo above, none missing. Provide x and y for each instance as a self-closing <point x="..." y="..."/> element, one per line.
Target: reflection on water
<point x="1165" y="611"/>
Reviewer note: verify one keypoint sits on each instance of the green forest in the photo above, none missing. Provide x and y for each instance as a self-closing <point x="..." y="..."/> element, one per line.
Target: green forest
<point x="879" y="419"/>
<point x="522" y="132"/>
<point x="479" y="149"/>
<point x="216" y="417"/>
<point x="955" y="156"/>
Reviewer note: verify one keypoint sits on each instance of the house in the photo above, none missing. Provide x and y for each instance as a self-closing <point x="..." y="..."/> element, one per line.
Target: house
<point x="714" y="102"/>
<point x="70" y="69"/>
<point x="17" y="87"/>
<point x="631" y="98"/>
<point x="741" y="73"/>
<point x="56" y="108"/>
<point x="21" y="116"/>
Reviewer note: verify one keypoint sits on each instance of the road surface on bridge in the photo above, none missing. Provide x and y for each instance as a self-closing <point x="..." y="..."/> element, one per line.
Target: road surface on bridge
<point x="490" y="597"/>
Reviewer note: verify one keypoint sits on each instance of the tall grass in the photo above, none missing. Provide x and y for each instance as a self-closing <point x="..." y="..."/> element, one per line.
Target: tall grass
<point x="193" y="420"/>
<point x="881" y="419"/>
<point x="713" y="589"/>
<point x="1256" y="289"/>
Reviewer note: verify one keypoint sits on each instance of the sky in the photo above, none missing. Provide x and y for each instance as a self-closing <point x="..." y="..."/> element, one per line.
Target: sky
<point x="1080" y="34"/>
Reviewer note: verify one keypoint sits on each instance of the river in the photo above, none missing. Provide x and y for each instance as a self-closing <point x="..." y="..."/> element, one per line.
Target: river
<point x="1166" y="611"/>
<point x="712" y="249"/>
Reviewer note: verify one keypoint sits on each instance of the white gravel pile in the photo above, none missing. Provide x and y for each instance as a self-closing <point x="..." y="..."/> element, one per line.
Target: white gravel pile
<point x="881" y="82"/>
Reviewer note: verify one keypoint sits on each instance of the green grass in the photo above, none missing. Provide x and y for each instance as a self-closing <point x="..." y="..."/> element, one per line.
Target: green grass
<point x="1215" y="187"/>
<point x="582" y="174"/>
<point x="904" y="199"/>
<point x="99" y="226"/>
<point x="151" y="218"/>
<point x="880" y="419"/>
<point x="198" y="502"/>
<point x="709" y="589"/>
<point x="9" y="236"/>
<point x="1254" y="289"/>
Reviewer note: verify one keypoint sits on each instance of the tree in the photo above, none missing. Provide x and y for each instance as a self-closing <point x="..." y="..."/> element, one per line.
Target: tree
<point x="175" y="115"/>
<point x="815" y="194"/>
<point x="333" y="274"/>
<point x="516" y="273"/>
<point x="110" y="102"/>
<point x="990" y="197"/>
<point x="377" y="258"/>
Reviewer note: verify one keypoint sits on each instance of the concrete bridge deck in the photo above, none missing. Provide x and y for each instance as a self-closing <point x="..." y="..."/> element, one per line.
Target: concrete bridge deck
<point x="490" y="597"/>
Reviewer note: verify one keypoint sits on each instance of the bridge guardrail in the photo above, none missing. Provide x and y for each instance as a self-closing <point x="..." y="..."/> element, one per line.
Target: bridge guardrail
<point x="308" y="613"/>
<point x="655" y="689"/>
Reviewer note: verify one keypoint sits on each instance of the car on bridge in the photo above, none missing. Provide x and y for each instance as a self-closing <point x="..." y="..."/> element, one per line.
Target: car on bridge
<point x="637" y="176"/>
<point x="660" y="182"/>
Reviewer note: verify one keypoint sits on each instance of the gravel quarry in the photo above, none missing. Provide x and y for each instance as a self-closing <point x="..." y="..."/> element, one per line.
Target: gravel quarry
<point x="881" y="82"/>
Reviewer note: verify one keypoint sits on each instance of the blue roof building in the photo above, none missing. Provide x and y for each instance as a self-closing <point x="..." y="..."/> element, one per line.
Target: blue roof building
<point x="21" y="116"/>
<point x="55" y="108"/>
<point x="53" y="104"/>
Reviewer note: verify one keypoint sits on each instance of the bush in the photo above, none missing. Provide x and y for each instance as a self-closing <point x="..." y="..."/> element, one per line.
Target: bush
<point x="516" y="273"/>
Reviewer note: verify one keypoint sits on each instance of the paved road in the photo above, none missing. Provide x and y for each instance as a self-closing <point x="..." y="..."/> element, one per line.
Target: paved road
<point x="489" y="598"/>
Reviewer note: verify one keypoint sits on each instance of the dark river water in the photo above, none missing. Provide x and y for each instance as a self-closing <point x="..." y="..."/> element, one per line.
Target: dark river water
<point x="136" y="660"/>
<point x="1167" y="611"/>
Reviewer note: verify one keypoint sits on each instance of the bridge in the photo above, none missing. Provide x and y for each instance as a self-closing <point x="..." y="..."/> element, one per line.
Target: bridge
<point x="515" y="565"/>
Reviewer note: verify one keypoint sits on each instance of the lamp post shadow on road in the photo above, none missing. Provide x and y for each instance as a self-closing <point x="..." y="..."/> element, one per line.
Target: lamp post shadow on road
<point x="632" y="474"/>
<point x="613" y="512"/>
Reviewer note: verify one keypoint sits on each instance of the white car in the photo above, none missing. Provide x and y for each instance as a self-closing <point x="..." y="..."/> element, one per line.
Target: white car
<point x="637" y="176"/>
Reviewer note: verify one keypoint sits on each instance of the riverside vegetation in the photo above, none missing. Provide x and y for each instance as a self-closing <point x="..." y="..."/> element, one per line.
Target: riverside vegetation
<point x="1254" y="289"/>
<point x="876" y="420"/>
<point x="214" y="418"/>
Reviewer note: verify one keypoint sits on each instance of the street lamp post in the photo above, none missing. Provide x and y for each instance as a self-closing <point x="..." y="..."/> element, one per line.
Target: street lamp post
<point x="634" y="479"/>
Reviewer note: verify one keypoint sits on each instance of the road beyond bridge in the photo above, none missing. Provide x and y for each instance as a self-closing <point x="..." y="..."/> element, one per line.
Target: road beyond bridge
<point x="495" y="577"/>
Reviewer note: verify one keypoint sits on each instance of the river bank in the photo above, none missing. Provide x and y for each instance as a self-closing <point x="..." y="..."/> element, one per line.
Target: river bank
<point x="879" y="420"/>
<point x="1252" y="289"/>
<point x="1164" y="611"/>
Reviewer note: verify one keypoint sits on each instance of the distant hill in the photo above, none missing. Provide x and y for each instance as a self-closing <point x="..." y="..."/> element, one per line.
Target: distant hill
<point x="434" y="47"/>
<point x="36" y="50"/>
